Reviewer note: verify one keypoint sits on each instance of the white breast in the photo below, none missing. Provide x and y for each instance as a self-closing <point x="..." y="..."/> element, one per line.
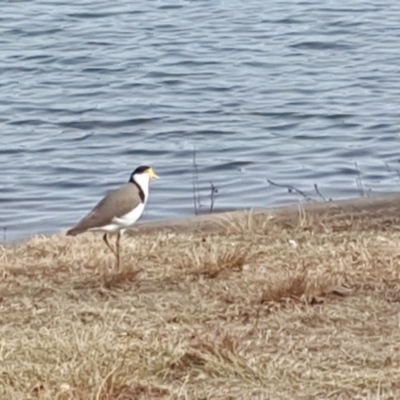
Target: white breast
<point x="129" y="219"/>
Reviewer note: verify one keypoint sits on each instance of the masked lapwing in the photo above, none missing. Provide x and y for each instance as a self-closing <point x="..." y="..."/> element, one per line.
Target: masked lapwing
<point x="119" y="209"/>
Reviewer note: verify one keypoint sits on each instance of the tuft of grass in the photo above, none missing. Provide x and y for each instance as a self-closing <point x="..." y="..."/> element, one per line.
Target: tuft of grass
<point x="214" y="261"/>
<point x="120" y="278"/>
<point x="298" y="286"/>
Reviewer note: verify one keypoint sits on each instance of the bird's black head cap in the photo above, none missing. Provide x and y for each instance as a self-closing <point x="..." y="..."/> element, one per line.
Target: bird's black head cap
<point x="140" y="170"/>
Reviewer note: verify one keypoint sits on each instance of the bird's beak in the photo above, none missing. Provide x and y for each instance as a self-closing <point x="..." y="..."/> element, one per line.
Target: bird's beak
<point x="152" y="174"/>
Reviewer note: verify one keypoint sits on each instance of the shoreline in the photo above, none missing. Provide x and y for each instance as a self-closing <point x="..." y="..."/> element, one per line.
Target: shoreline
<point x="386" y="205"/>
<point x="381" y="205"/>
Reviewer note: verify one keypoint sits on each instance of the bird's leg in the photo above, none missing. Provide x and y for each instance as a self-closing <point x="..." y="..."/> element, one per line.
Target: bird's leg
<point x="108" y="244"/>
<point x="118" y="249"/>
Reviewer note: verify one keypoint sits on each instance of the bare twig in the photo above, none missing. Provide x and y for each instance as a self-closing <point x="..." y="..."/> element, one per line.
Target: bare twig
<point x="360" y="184"/>
<point x="359" y="181"/>
<point x="196" y="191"/>
<point x="389" y="169"/>
<point x="292" y="189"/>
<point x="320" y="194"/>
<point x="214" y="192"/>
<point x="196" y="196"/>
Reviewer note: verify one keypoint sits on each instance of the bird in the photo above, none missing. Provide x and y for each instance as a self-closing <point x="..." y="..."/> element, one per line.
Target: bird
<point x="119" y="209"/>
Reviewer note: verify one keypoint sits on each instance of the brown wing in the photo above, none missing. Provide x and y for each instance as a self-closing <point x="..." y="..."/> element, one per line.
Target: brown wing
<point x="115" y="204"/>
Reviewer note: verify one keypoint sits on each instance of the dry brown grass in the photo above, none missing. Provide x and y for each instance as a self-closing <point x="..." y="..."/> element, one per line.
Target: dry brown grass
<point x="267" y="308"/>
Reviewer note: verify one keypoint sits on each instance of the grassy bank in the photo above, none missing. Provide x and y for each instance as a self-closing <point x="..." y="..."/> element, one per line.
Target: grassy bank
<point x="288" y="303"/>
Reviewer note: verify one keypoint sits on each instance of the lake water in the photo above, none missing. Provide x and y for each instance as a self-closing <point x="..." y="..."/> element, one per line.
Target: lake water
<point x="296" y="92"/>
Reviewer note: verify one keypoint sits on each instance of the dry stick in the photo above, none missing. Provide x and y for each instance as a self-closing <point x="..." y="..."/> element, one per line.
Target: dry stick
<point x="291" y="189"/>
<point x="392" y="170"/>
<point x="196" y="195"/>
<point x="214" y="191"/>
<point x="359" y="181"/>
<point x="193" y="181"/>
<point x="360" y="184"/>
<point x="319" y="193"/>
<point x="196" y="198"/>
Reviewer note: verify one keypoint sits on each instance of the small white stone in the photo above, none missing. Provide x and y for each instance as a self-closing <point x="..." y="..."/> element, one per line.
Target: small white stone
<point x="64" y="387"/>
